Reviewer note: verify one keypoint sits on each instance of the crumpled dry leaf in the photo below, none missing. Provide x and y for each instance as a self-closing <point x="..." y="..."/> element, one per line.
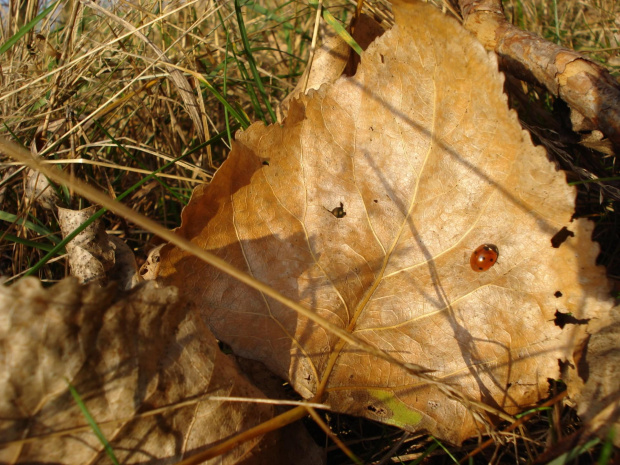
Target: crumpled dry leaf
<point x="366" y="205"/>
<point x="593" y="382"/>
<point x="126" y="355"/>
<point x="125" y="269"/>
<point x="150" y="268"/>
<point x="93" y="255"/>
<point x="38" y="189"/>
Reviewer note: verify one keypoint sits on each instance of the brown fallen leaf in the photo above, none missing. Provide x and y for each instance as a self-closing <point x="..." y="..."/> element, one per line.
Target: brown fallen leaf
<point x="93" y="255"/>
<point x="142" y="365"/>
<point x="593" y="381"/>
<point x="365" y="206"/>
<point x="38" y="189"/>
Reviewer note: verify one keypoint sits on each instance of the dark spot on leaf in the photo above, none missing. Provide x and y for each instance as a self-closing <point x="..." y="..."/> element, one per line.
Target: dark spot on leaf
<point x="558" y="294"/>
<point x="563" y="319"/>
<point x="376" y="410"/>
<point x="375" y="201"/>
<point x="560" y="237"/>
<point x="382" y="58"/>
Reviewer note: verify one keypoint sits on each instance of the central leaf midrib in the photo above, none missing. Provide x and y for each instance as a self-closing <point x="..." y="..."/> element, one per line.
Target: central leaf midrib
<point x="368" y="295"/>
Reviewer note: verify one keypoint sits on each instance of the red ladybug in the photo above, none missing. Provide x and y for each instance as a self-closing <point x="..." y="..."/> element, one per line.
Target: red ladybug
<point x="484" y="257"/>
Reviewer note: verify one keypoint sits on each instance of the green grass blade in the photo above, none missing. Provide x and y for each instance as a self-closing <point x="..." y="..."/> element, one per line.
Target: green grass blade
<point x="608" y="448"/>
<point x="142" y="165"/>
<point x="569" y="456"/>
<point x="284" y="23"/>
<point x="244" y="73"/>
<point x="250" y="88"/>
<point x="17" y="139"/>
<point x="224" y="86"/>
<point x="421" y="458"/>
<point x="588" y="181"/>
<point x="40" y="230"/>
<point x="93" y="424"/>
<point x="338" y="27"/>
<point x="252" y="62"/>
<point x="56" y="249"/>
<point x="26" y="28"/>
<point x="438" y="442"/>
<point x="28" y="243"/>
<point x="239" y="116"/>
<point x="537" y="409"/>
<point x="341" y="31"/>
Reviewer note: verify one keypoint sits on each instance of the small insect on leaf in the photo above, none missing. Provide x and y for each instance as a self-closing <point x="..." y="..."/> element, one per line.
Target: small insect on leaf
<point x="484" y="257"/>
<point x="339" y="212"/>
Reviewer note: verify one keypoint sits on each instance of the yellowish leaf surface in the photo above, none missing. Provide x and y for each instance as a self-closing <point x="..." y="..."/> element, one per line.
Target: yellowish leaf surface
<point x="365" y="206"/>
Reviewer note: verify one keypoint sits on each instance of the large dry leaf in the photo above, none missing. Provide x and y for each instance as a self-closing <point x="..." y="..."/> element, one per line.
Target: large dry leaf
<point x="365" y="206"/>
<point x="126" y="355"/>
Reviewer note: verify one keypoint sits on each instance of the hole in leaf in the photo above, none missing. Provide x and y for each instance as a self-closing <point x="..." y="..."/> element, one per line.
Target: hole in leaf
<point x="558" y="294"/>
<point x="376" y="410"/>
<point x="563" y="319"/>
<point x="266" y="162"/>
<point x="565" y="366"/>
<point x="560" y="237"/>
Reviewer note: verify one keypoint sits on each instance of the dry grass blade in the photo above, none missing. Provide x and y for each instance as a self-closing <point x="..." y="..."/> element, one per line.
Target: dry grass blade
<point x="513" y="426"/>
<point x="185" y="90"/>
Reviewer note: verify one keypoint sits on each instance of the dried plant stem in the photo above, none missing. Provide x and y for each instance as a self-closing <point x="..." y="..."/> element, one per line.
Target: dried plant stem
<point x="315" y="35"/>
<point x="280" y="421"/>
<point x="516" y="424"/>
<point x="586" y="87"/>
<point x="341" y="445"/>
<point x="61" y="62"/>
